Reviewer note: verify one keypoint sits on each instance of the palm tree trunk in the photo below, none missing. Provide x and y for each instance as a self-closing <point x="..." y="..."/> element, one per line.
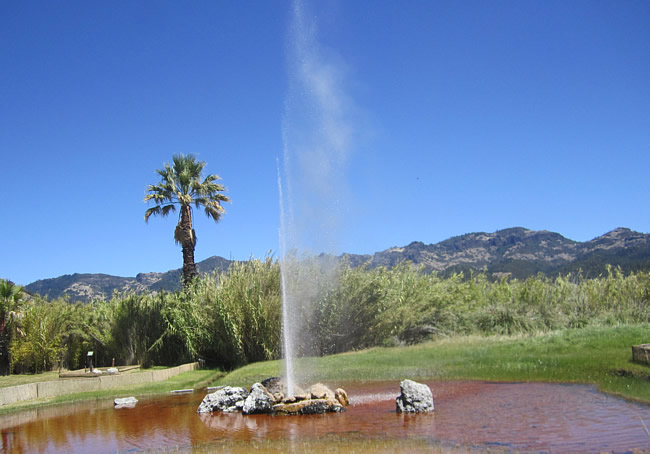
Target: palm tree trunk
<point x="188" y="241"/>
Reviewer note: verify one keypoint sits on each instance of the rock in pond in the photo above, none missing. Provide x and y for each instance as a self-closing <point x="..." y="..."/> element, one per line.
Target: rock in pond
<point x="278" y="388"/>
<point x="125" y="402"/>
<point x="320" y="391"/>
<point x="258" y="401"/>
<point x="275" y="385"/>
<point x="227" y="399"/>
<point x="309" y="407"/>
<point x="414" y="398"/>
<point x="342" y="397"/>
<point x="298" y="396"/>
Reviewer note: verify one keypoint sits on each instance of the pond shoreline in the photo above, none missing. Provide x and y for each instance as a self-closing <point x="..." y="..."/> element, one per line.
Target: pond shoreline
<point x="51" y="389"/>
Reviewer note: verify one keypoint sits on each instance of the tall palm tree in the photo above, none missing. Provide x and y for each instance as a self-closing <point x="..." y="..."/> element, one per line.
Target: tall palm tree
<point x="181" y="185"/>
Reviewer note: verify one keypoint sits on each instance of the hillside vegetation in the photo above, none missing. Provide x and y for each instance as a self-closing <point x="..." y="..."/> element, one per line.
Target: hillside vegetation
<point x="234" y="318"/>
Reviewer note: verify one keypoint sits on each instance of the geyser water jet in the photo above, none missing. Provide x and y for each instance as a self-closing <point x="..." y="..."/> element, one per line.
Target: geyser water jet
<point x="316" y="130"/>
<point x="287" y="334"/>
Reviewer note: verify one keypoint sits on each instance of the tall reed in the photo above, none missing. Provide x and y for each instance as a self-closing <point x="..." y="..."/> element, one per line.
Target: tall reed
<point x="233" y="318"/>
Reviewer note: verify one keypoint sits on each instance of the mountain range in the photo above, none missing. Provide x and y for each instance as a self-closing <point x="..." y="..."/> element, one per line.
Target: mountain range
<point x="514" y="252"/>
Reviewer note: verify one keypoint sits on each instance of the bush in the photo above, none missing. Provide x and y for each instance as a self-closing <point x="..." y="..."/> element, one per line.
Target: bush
<point x="38" y="345"/>
<point x="240" y="311"/>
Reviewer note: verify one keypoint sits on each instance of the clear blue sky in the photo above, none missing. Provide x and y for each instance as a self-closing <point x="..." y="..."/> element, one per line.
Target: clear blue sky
<point x="461" y="116"/>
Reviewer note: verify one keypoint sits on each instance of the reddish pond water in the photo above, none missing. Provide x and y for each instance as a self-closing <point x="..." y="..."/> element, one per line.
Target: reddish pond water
<point x="510" y="416"/>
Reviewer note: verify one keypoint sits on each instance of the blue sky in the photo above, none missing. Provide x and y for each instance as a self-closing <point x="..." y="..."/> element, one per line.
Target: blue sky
<point x="457" y="117"/>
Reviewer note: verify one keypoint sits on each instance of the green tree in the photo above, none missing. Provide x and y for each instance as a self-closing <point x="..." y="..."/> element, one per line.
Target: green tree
<point x="181" y="186"/>
<point x="41" y="341"/>
<point x="10" y="296"/>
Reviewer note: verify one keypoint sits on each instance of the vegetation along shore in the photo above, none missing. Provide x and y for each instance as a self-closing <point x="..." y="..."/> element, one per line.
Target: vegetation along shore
<point x="398" y="322"/>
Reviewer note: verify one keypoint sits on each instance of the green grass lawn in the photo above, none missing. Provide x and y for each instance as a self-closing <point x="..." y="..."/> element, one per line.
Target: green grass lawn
<point x="23" y="379"/>
<point x="601" y="355"/>
<point x="195" y="379"/>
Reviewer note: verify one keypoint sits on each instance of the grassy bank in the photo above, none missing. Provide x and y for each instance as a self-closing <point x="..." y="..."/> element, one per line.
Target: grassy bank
<point x="598" y="355"/>
<point x="23" y="379"/>
<point x="194" y="379"/>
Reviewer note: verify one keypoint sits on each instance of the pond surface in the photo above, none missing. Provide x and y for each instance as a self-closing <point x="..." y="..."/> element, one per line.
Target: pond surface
<point x="495" y="416"/>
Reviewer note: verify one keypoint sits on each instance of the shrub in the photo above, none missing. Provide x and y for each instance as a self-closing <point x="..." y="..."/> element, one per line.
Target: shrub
<point x="240" y="313"/>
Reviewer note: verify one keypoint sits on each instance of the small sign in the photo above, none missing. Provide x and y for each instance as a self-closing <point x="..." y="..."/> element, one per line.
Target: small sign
<point x="90" y="353"/>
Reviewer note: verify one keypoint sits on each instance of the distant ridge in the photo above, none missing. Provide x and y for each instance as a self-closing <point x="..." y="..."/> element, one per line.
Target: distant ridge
<point x="519" y="253"/>
<point x="516" y="252"/>
<point x="84" y="287"/>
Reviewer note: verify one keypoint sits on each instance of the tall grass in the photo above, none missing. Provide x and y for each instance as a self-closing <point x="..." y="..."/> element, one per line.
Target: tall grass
<point x="595" y="354"/>
<point x="240" y="313"/>
<point x="404" y="306"/>
<point x="234" y="318"/>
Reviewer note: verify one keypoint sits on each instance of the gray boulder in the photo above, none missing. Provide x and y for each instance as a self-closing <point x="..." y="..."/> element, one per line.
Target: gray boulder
<point x="227" y="399"/>
<point x="125" y="402"/>
<point x="275" y="385"/>
<point x="414" y="398"/>
<point x="258" y="401"/>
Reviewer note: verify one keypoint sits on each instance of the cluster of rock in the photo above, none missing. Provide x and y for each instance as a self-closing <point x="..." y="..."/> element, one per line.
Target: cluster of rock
<point x="109" y="371"/>
<point x="268" y="397"/>
<point x="414" y="398"/>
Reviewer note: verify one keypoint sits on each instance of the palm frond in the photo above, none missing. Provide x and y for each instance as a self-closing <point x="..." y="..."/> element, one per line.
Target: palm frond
<point x="214" y="211"/>
<point x="210" y="178"/>
<point x="212" y="190"/>
<point x="168" y="209"/>
<point x="200" y="202"/>
<point x="159" y="210"/>
<point x="188" y="164"/>
<point x="153" y="211"/>
<point x="159" y="197"/>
